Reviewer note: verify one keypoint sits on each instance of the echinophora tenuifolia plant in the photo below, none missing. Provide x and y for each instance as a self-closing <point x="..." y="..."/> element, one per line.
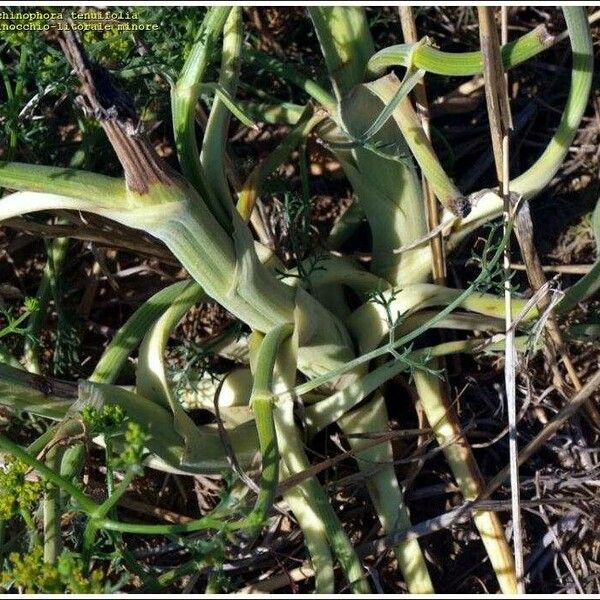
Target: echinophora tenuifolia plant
<point x="302" y="344"/>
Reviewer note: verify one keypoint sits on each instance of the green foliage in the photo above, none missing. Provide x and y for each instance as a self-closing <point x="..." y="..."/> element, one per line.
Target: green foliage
<point x="491" y="276"/>
<point x="298" y="234"/>
<point x="135" y="443"/>
<point x="405" y="354"/>
<point x="110" y="421"/>
<point x="212" y="243"/>
<point x="17" y="493"/>
<point x="107" y="420"/>
<point x="194" y="362"/>
<point x="37" y="77"/>
<point x="30" y="574"/>
<point x="13" y="324"/>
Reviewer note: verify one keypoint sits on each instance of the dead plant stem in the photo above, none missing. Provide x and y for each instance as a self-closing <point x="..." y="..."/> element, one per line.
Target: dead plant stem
<point x="496" y="92"/>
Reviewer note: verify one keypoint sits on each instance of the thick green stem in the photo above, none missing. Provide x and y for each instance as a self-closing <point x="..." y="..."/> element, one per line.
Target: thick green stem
<point x="452" y="64"/>
<point x="184" y="96"/>
<point x="51" y="510"/>
<point x="315" y="535"/>
<point x="458" y="300"/>
<point x="377" y="466"/>
<point x="214" y="148"/>
<point x="261" y="402"/>
<point x="99" y="189"/>
<point x="345" y="41"/>
<point x="537" y="177"/>
<point x="130" y="335"/>
<point x="296" y="461"/>
<point x="541" y="173"/>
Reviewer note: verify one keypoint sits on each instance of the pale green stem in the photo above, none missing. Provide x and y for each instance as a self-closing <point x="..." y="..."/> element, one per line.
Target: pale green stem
<point x="328" y="410"/>
<point x="298" y="497"/>
<point x="214" y="149"/>
<point x="261" y="402"/>
<point x="369" y="323"/>
<point x="346" y="43"/>
<point x="153" y="383"/>
<point x="315" y="535"/>
<point x="184" y="96"/>
<point x="337" y="270"/>
<point x="442" y="419"/>
<point x="51" y="510"/>
<point x="243" y="285"/>
<point x="281" y="113"/>
<point x="390" y="194"/>
<point x="377" y="466"/>
<point x="104" y="191"/>
<point x="541" y="173"/>
<point x="130" y="335"/>
<point x="296" y="461"/>
<point x="253" y="184"/>
<point x="425" y="56"/>
<point x="537" y="177"/>
<point x="409" y="337"/>
<point x="404" y="128"/>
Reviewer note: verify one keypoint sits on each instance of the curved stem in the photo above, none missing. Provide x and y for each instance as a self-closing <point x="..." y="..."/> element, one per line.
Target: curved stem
<point x="130" y="335"/>
<point x="409" y="337"/>
<point x="540" y="174"/>
<point x="261" y="402"/>
<point x="537" y="177"/>
<point x="452" y="64"/>
<point x="328" y="410"/>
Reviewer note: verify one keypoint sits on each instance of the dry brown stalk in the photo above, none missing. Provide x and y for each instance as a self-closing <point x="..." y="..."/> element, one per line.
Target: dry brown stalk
<point x="496" y="94"/>
<point x="409" y="31"/>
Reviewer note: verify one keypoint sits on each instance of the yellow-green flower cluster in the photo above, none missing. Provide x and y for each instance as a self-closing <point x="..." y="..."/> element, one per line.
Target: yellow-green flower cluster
<point x="113" y="45"/>
<point x="31" y="304"/>
<point x="18" y="38"/>
<point x="135" y="443"/>
<point x="48" y="67"/>
<point x="16" y="492"/>
<point x="108" y="419"/>
<point x="30" y="574"/>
